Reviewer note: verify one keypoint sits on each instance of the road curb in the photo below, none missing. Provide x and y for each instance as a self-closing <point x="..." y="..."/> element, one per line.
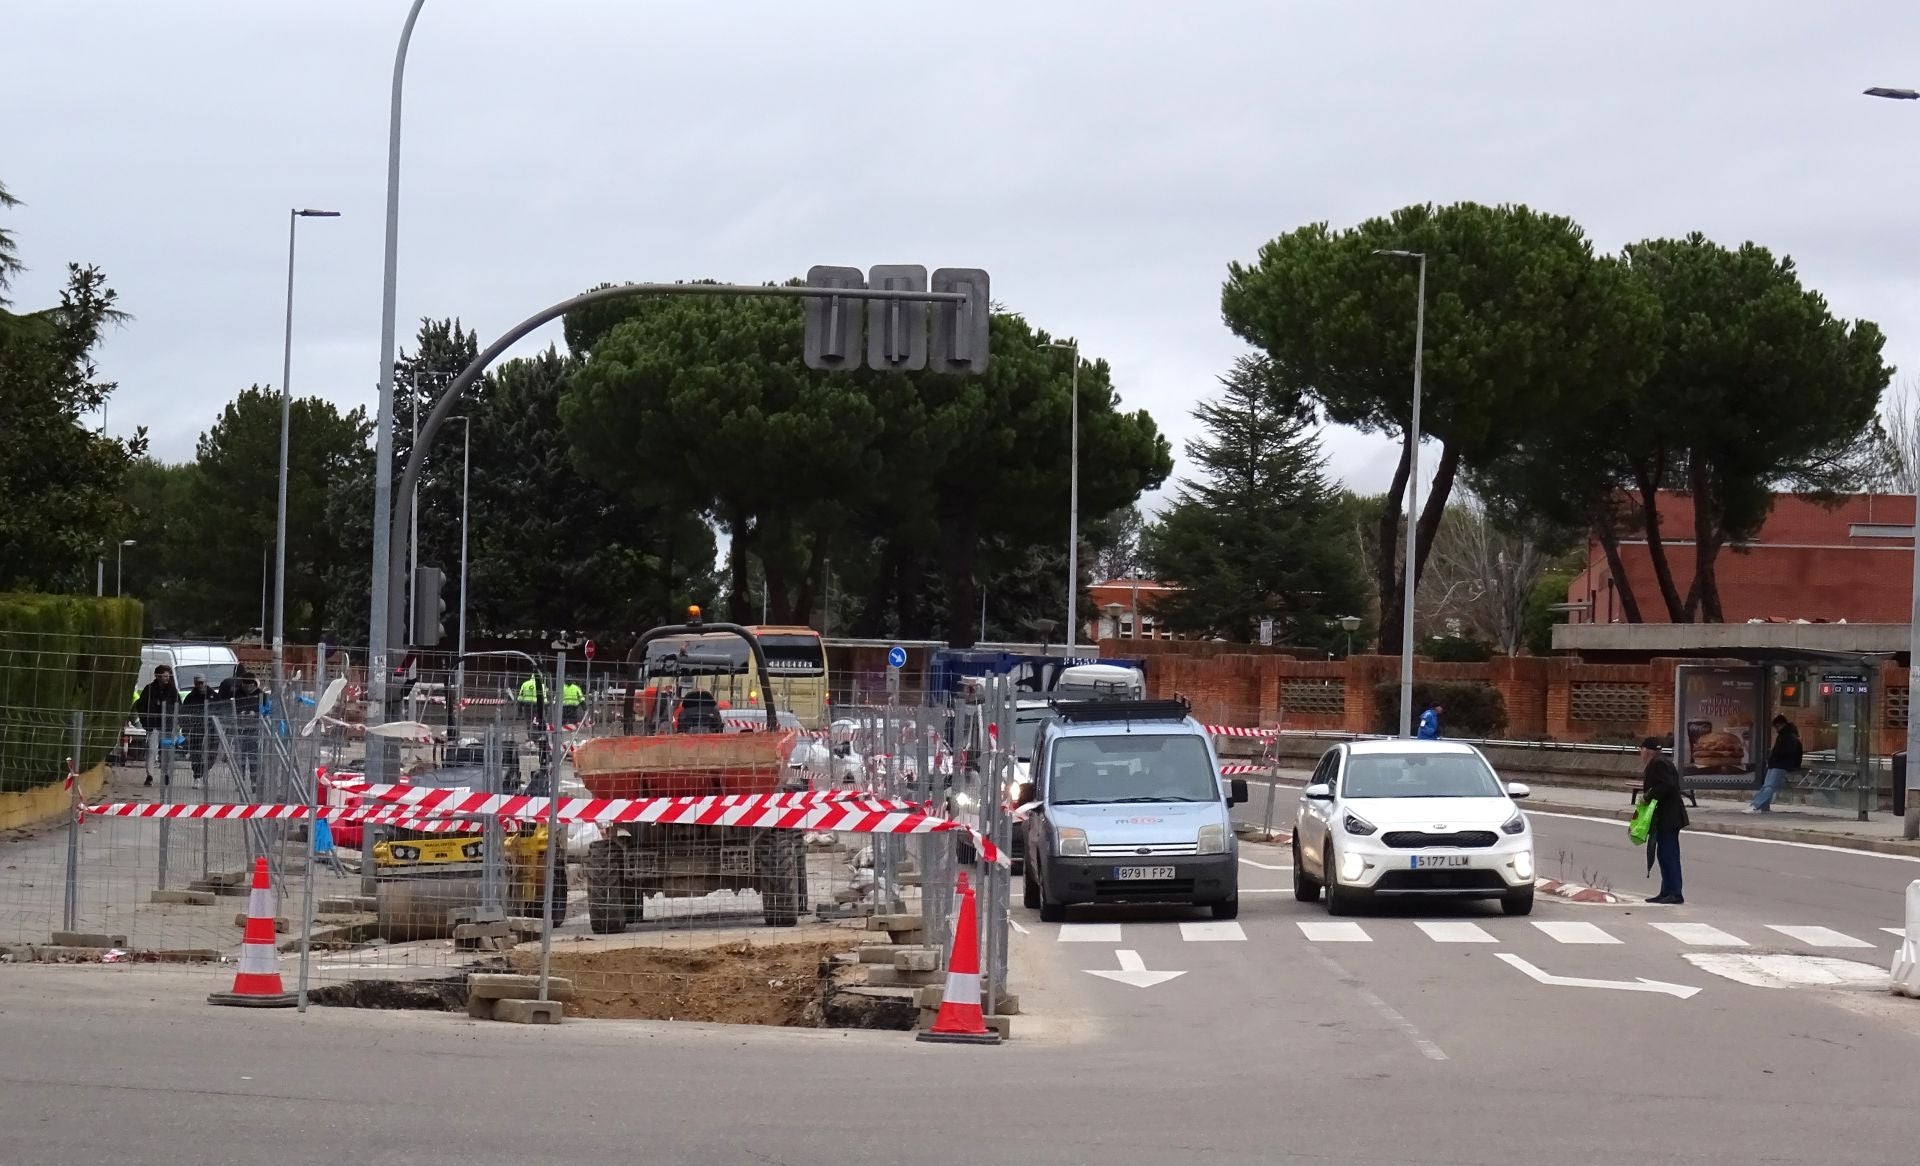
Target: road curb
<point x="1747" y="830"/>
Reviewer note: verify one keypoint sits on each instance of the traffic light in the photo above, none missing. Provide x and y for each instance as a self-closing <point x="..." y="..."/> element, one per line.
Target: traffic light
<point x="429" y="606"/>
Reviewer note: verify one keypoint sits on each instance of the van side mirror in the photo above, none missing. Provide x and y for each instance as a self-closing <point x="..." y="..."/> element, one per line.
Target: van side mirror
<point x="1237" y="792"/>
<point x="1318" y="793"/>
<point x="1517" y="791"/>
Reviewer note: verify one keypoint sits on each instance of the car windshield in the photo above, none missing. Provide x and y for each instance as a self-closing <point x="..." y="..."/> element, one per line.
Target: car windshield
<point x="1132" y="767"/>
<point x="1420" y="775"/>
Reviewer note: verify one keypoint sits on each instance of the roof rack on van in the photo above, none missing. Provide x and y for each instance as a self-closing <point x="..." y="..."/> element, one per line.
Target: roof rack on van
<point x="1084" y="711"/>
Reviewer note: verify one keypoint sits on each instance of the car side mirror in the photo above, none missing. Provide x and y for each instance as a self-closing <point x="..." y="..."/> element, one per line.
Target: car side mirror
<point x="1318" y="793"/>
<point x="1237" y="792"/>
<point x="1517" y="791"/>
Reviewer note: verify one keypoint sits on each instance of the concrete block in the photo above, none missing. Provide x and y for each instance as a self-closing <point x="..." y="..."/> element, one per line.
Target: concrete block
<point x="346" y="905"/>
<point x="529" y="1011"/>
<point x="1009" y="1005"/>
<point x="878" y="953"/>
<point x="188" y="955"/>
<point x="279" y="925"/>
<point x="507" y="986"/>
<point x="473" y="931"/>
<point x="88" y="939"/>
<point x="184" y="898"/>
<point x="931" y="995"/>
<point x="894" y="923"/>
<point x="213" y="887"/>
<point x="884" y="977"/>
<point x="1000" y="1024"/>
<point x="917" y="959"/>
<point x="480" y="1007"/>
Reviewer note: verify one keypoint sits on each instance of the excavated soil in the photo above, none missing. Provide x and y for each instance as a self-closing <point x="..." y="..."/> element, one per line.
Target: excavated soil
<point x="733" y="983"/>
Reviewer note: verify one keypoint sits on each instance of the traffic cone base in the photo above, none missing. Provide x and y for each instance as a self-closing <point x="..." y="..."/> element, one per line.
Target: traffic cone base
<point x="257" y="982"/>
<point x="960" y="1021"/>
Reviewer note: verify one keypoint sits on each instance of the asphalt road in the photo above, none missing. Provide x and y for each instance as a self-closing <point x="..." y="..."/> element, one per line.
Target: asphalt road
<point x="1390" y="1045"/>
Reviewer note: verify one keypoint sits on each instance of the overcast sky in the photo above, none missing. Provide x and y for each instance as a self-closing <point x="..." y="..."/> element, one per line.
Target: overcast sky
<point x="1104" y="161"/>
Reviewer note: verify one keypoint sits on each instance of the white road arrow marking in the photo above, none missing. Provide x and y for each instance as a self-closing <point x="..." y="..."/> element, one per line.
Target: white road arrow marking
<point x="1640" y="985"/>
<point x="1133" y="970"/>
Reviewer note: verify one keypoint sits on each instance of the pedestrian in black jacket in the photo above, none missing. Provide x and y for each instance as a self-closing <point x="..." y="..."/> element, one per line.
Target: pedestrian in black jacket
<point x="155" y="707"/>
<point x="195" y="707"/>
<point x="1783" y="759"/>
<point x="1661" y="783"/>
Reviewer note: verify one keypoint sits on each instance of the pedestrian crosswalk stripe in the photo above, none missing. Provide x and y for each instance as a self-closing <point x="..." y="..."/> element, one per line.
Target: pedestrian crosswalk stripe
<point x="1896" y="932"/>
<point x="1576" y="933"/>
<point x="1699" y="934"/>
<point x="1222" y="931"/>
<point x="1455" y="932"/>
<point x="1818" y="936"/>
<point x="1335" y="933"/>
<point x="1089" y="933"/>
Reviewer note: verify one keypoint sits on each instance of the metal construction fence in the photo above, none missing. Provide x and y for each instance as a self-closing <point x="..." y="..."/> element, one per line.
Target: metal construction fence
<point x="729" y="881"/>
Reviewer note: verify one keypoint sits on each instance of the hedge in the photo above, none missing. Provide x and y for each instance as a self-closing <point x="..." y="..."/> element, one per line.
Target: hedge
<point x="60" y="654"/>
<point x="1472" y="710"/>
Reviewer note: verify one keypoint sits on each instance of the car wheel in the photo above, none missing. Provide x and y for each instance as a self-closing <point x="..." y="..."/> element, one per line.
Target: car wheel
<point x="1050" y="911"/>
<point x="1518" y="901"/>
<point x="1029" y="889"/>
<point x="1340" y="901"/>
<point x="1305" y="889"/>
<point x="1227" y="908"/>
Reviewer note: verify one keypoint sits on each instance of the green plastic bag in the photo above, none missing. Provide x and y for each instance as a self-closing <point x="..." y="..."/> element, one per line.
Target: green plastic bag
<point x="1641" y="827"/>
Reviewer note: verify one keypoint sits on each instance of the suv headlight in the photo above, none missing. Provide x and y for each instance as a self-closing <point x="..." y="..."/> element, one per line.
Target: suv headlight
<point x="1071" y="842"/>
<point x="1355" y="824"/>
<point x="1514" y="825"/>
<point x="1212" y="839"/>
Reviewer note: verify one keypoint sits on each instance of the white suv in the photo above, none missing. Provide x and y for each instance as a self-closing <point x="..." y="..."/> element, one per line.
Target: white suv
<point x="1411" y="817"/>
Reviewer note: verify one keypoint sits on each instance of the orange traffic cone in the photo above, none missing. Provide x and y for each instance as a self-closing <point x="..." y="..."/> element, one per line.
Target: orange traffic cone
<point x="960" y="1021"/>
<point x="257" y="983"/>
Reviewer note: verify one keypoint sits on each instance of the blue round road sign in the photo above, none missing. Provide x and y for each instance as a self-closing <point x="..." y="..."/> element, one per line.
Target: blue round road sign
<point x="896" y="657"/>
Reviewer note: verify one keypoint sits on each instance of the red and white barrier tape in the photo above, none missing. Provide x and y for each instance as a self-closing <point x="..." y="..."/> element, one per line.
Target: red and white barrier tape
<point x="1235" y="731"/>
<point x="865" y="815"/>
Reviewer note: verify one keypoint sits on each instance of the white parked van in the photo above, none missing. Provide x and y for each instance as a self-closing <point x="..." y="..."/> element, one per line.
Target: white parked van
<point x="1100" y="682"/>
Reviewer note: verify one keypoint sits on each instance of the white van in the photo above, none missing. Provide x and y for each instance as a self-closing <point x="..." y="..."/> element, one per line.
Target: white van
<point x="216" y="662"/>
<point x="1100" y="682"/>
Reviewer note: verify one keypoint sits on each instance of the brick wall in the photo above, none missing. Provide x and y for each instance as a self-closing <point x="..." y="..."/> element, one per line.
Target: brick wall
<point x="1558" y="698"/>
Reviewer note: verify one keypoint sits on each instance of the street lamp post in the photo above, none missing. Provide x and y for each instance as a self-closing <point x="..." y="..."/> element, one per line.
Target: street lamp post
<point x="378" y="669"/>
<point x="466" y="459"/>
<point x="1073" y="499"/>
<point x="1913" y="613"/>
<point x="286" y="415"/>
<point x="119" y="553"/>
<point x="1350" y="624"/>
<point x="1413" y="496"/>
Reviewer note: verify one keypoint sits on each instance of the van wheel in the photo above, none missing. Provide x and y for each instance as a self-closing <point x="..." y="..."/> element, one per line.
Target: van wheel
<point x="1518" y="901"/>
<point x="1305" y="889"/>
<point x="1227" y="908"/>
<point x="1029" y="889"/>
<point x="1050" y="911"/>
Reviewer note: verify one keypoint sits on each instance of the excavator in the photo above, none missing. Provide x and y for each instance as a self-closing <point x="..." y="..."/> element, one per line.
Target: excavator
<point x="676" y="742"/>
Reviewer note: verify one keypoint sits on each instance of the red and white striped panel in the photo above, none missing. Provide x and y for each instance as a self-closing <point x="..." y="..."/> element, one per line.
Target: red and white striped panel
<point x="1236" y="731"/>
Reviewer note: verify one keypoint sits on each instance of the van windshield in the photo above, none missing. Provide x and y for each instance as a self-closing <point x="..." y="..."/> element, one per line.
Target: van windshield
<point x="1132" y="767"/>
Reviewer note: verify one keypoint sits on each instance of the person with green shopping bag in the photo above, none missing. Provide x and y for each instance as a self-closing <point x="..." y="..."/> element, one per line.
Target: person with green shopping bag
<point x="1660" y="790"/>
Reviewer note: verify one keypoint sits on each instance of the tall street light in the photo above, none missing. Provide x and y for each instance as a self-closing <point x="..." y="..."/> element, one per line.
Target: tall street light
<point x="378" y="668"/>
<point x="1413" y="496"/>
<point x="286" y="413"/>
<point x="1913" y="614"/>
<point x="1073" y="499"/>
<point x="118" y="558"/>
<point x="466" y="459"/>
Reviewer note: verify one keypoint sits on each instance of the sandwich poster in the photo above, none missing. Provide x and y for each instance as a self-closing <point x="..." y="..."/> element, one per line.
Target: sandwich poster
<point x="1717" y="720"/>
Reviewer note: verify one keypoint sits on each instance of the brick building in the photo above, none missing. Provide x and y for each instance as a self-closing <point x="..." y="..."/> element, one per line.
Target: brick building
<point x="1113" y="610"/>
<point x="1808" y="562"/>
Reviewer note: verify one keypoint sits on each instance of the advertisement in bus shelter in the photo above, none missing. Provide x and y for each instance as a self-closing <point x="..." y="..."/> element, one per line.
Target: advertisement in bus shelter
<point x="1717" y="720"/>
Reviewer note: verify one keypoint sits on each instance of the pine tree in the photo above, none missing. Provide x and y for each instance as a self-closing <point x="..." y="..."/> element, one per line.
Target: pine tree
<point x="1255" y="533"/>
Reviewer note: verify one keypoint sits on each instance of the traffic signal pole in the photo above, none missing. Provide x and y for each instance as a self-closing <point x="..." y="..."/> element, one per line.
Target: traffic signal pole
<point x="958" y="345"/>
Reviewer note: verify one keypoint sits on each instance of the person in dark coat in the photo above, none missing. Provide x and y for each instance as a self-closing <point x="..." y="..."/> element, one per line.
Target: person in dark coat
<point x="240" y="699"/>
<point x="195" y="707"/>
<point x="1661" y="783"/>
<point x="155" y="708"/>
<point x="1783" y="759"/>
